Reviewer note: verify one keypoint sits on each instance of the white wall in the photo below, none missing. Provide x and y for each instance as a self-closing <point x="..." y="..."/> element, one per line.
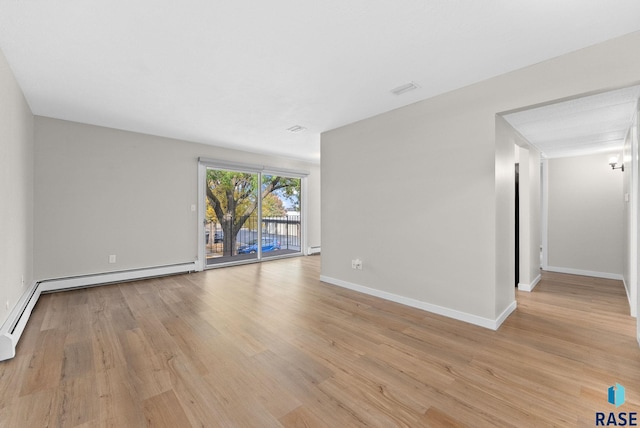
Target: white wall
<point x="504" y="225"/>
<point x="101" y="191"/>
<point x="16" y="192"/>
<point x="428" y="187"/>
<point x="585" y="216"/>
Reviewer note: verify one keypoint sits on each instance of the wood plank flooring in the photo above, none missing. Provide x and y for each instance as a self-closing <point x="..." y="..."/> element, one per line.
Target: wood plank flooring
<point x="269" y="345"/>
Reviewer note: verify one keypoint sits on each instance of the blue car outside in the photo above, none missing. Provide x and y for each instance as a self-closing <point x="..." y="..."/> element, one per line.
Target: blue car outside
<point x="268" y="244"/>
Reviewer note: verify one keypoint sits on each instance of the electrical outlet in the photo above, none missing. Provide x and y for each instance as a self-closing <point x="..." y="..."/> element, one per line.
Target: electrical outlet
<point x="7" y="304"/>
<point x="112" y="258"/>
<point x="356" y="264"/>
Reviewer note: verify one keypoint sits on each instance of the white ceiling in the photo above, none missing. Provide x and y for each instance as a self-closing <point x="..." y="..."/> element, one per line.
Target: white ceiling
<point x="591" y="124"/>
<point x="238" y="74"/>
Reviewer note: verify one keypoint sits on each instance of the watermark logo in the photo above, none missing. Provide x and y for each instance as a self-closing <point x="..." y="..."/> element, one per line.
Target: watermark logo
<point x="616" y="395"/>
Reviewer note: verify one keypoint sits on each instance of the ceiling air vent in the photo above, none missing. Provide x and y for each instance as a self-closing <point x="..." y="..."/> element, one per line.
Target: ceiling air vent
<point x="411" y="86"/>
<point x="296" y="128"/>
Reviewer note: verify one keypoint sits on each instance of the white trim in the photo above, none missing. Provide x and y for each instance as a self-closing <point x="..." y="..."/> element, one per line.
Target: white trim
<point x="291" y="173"/>
<point x="632" y="291"/>
<point x="632" y="310"/>
<point x="605" y="275"/>
<point x="304" y="212"/>
<point x="202" y="212"/>
<point x="313" y="250"/>
<point x="12" y="329"/>
<point x="529" y="287"/>
<point x="253" y="168"/>
<point x="440" y="310"/>
<point x="259" y="218"/>
<point x="635" y="188"/>
<point x="231" y="166"/>
<point x="503" y="316"/>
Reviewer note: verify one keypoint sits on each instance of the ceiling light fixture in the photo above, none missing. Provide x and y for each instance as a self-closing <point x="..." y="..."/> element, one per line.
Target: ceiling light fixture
<point x="411" y="86"/>
<point x="296" y="128"/>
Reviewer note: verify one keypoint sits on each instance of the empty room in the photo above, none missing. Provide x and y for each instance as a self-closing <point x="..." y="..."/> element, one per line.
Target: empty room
<point x="329" y="214"/>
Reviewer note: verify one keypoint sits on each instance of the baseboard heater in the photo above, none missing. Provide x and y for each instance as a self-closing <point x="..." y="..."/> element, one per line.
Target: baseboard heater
<point x="313" y="250"/>
<point x="13" y="327"/>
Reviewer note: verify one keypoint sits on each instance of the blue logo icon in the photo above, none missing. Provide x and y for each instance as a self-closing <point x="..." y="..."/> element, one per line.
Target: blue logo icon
<point x="616" y="395"/>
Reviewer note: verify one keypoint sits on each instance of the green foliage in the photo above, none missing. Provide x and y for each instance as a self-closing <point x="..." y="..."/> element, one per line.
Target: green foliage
<point x="272" y="206"/>
<point x="211" y="214"/>
<point x="227" y="188"/>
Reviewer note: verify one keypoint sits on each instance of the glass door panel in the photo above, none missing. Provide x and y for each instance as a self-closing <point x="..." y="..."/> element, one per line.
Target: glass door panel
<point x="280" y="224"/>
<point x="231" y="219"/>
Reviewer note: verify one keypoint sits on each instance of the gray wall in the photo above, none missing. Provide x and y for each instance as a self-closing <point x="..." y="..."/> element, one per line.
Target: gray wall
<point x="101" y="191"/>
<point x="585" y="215"/>
<point x="422" y="194"/>
<point x="16" y="192"/>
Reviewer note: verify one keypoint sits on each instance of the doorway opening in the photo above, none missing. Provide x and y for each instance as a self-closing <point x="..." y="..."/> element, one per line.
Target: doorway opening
<point x="588" y="212"/>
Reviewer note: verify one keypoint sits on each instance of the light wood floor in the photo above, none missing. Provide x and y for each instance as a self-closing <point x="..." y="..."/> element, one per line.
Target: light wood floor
<point x="268" y="345"/>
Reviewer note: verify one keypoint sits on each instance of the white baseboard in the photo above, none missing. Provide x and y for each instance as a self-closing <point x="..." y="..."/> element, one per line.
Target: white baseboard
<point x="632" y="307"/>
<point x="503" y="316"/>
<point x="605" y="275"/>
<point x="313" y="250"/>
<point x="529" y="287"/>
<point x="15" y="324"/>
<point x="440" y="310"/>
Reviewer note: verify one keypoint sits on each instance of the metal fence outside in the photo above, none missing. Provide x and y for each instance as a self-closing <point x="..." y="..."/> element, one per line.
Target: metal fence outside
<point x="285" y="232"/>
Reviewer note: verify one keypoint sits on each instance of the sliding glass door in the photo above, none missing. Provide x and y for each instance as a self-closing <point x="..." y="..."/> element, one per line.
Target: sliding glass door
<point x="250" y="216"/>
<point x="281" y="225"/>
